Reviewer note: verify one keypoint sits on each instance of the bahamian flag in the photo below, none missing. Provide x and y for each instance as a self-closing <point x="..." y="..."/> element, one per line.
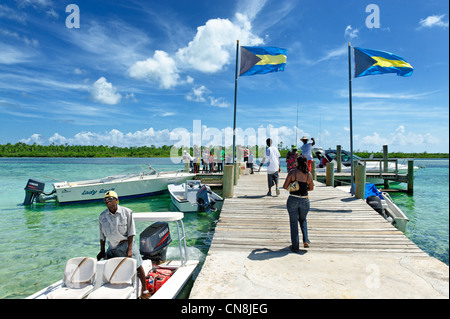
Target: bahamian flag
<point x="262" y="60"/>
<point x="370" y="62"/>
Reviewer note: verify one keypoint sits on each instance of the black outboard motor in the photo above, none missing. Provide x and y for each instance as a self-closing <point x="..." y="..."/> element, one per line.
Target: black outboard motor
<point x="154" y="242"/>
<point x="33" y="189"/>
<point x="204" y="201"/>
<point x="375" y="203"/>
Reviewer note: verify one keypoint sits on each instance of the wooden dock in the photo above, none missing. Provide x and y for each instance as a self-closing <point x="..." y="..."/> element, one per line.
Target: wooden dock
<point x="347" y="237"/>
<point x="336" y="222"/>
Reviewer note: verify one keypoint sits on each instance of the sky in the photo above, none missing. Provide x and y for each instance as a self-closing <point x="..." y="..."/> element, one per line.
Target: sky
<point x="135" y="73"/>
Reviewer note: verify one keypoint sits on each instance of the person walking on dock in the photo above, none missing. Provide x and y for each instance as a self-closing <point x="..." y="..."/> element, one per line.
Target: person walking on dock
<point x="307" y="149"/>
<point x="298" y="202"/>
<point x="273" y="166"/>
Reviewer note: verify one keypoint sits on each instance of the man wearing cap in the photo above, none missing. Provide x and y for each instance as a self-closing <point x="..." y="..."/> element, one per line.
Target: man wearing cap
<point x="117" y="225"/>
<point x="307" y="149"/>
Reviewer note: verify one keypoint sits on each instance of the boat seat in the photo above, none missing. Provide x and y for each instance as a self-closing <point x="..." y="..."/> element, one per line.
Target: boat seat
<point x="118" y="282"/>
<point x="78" y="279"/>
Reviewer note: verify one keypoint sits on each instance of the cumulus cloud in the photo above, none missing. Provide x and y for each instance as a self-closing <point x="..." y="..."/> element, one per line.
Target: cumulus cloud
<point x="209" y="51"/>
<point x="211" y="47"/>
<point x="400" y="137"/>
<point x="433" y="21"/>
<point x="160" y="68"/>
<point x="104" y="92"/>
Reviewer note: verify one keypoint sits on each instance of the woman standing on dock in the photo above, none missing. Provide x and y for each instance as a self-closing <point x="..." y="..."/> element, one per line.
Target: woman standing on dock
<point x="298" y="202"/>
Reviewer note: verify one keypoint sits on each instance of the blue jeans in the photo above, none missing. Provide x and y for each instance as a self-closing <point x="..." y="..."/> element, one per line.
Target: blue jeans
<point x="298" y="209"/>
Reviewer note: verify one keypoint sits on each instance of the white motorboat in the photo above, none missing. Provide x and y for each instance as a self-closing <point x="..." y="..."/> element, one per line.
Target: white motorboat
<point x="143" y="183"/>
<point x="394" y="213"/>
<point x="372" y="165"/>
<point x="93" y="279"/>
<point x="192" y="196"/>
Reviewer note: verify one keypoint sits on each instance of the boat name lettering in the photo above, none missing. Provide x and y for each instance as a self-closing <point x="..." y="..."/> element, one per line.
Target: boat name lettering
<point x="102" y="191"/>
<point x="93" y="191"/>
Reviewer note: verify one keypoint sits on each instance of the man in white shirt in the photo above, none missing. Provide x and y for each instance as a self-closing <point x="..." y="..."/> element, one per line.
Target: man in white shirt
<point x="273" y="166"/>
<point x="116" y="225"/>
<point x="307" y="149"/>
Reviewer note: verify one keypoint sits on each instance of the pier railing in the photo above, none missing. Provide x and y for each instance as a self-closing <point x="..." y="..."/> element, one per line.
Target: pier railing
<point x="383" y="166"/>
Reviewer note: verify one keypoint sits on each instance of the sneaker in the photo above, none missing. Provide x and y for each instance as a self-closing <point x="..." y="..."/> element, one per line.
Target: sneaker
<point x="269" y="194"/>
<point x="278" y="191"/>
<point x="306" y="245"/>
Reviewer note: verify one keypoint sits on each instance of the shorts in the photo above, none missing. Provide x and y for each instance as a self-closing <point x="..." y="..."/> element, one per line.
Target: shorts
<point x="272" y="179"/>
<point x="121" y="251"/>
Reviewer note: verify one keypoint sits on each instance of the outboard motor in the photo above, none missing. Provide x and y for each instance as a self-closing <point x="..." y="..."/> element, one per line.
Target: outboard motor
<point x="154" y="242"/>
<point x="375" y="203"/>
<point x="204" y="201"/>
<point x="33" y="189"/>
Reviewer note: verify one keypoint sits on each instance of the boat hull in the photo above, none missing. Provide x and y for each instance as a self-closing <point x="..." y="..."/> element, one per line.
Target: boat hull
<point x="127" y="187"/>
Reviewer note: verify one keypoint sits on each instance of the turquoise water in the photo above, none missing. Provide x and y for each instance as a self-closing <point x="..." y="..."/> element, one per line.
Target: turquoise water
<point x="35" y="242"/>
<point x="428" y="208"/>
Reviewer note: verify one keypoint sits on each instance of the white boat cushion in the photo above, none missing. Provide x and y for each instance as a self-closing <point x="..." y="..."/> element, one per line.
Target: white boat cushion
<point x="109" y="291"/>
<point x="121" y="285"/>
<point x="78" y="272"/>
<point x="79" y="275"/>
<point x="123" y="274"/>
<point x="71" y="293"/>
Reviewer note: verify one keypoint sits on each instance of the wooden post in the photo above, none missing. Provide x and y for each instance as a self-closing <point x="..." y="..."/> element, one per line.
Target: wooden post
<point x="385" y="159"/>
<point x="237" y="172"/>
<point x="410" y="176"/>
<point x="360" y="181"/>
<point x="339" y="158"/>
<point x="313" y="170"/>
<point x="330" y="174"/>
<point x="228" y="180"/>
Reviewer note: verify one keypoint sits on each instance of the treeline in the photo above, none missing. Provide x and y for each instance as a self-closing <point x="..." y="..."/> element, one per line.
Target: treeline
<point x="36" y="150"/>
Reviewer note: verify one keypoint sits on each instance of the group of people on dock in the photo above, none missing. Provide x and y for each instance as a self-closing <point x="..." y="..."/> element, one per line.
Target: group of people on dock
<point x="212" y="160"/>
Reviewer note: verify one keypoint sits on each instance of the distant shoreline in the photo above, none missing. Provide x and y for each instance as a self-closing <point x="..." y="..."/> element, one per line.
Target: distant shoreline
<point x="35" y="150"/>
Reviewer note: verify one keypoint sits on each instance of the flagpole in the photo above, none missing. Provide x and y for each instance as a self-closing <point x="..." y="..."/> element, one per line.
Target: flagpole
<point x="351" y="121"/>
<point x="235" y="99"/>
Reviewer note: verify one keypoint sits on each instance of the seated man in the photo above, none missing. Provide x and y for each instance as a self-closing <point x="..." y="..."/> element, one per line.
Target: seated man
<point x="117" y="225"/>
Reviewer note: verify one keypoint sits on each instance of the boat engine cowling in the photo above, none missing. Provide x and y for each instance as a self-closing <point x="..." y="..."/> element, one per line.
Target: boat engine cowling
<point x="204" y="201"/>
<point x="154" y="242"/>
<point x="33" y="189"/>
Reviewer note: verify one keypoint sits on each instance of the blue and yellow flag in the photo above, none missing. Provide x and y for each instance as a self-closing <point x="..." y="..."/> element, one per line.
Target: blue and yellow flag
<point x="370" y="62"/>
<point x="262" y="60"/>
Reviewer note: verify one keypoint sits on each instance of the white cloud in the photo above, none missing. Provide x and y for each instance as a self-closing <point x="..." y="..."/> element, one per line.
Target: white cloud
<point x="211" y="47"/>
<point x="104" y="92"/>
<point x="201" y="94"/>
<point x="35" y="138"/>
<point x="433" y="21"/>
<point x="350" y="33"/>
<point x="400" y="137"/>
<point x="161" y="68"/>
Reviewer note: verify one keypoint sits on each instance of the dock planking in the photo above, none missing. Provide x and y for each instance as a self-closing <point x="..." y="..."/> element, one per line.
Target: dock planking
<point x="354" y="252"/>
<point x="337" y="222"/>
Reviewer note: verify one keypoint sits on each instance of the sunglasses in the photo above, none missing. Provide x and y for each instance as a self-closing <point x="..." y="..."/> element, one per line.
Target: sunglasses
<point x="108" y="199"/>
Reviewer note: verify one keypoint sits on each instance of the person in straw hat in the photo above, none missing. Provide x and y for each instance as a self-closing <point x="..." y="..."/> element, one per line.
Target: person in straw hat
<point x="307" y="149"/>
